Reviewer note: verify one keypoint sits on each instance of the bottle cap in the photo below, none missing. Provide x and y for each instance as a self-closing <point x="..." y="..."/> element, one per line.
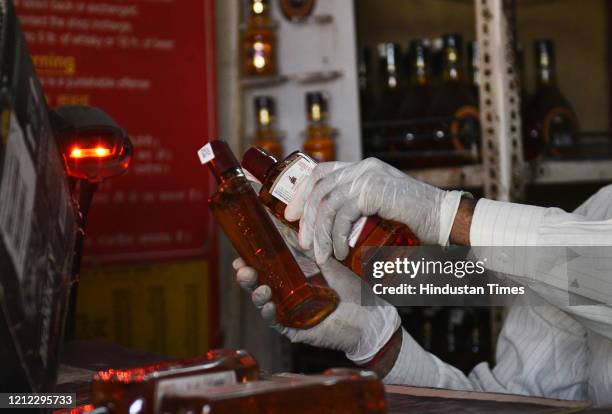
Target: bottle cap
<point x="316" y="106"/>
<point x="219" y="157"/>
<point x="258" y="162"/>
<point x="544" y="47"/>
<point x="453" y="40"/>
<point x="264" y="102"/>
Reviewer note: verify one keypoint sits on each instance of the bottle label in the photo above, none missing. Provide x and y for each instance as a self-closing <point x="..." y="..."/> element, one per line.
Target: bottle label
<point x="286" y="184"/>
<point x="558" y="129"/>
<point x="465" y="128"/>
<point x="193" y="384"/>
<point x="206" y="154"/>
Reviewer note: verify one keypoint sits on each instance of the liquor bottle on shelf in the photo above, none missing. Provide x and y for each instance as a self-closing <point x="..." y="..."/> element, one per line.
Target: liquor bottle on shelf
<point x="266" y="135"/>
<point x="474" y="69"/>
<point x="244" y="220"/>
<point x="340" y="391"/>
<point x="319" y="142"/>
<point x="259" y="41"/>
<point x="416" y="98"/>
<point x="364" y="73"/>
<point x="551" y="125"/>
<point x="390" y="97"/>
<point x="118" y="390"/>
<point x="455" y="100"/>
<point x="279" y="183"/>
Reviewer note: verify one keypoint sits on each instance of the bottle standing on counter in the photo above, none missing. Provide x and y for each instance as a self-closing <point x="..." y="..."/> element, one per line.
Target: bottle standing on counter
<point x="279" y="183"/>
<point x="266" y="134"/>
<point x="319" y="143"/>
<point x="124" y="390"/>
<point x="551" y="125"/>
<point x="386" y="108"/>
<point x="416" y="99"/>
<point x="338" y="391"/>
<point x="259" y="41"/>
<point x="238" y="211"/>
<point x="455" y="99"/>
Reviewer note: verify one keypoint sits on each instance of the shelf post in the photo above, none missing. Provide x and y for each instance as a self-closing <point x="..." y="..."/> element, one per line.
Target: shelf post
<point x="500" y="114"/>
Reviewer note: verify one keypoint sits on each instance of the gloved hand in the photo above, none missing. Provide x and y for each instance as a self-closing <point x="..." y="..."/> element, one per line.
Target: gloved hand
<point x="359" y="331"/>
<point x="335" y="195"/>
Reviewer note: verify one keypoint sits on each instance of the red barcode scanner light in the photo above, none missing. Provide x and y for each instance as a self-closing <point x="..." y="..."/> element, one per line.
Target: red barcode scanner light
<point x="93" y="146"/>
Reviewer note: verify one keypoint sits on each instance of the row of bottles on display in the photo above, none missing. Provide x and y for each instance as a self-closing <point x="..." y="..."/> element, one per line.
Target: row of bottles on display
<point x="420" y="102"/>
<point x="423" y="111"/>
<point x="319" y="135"/>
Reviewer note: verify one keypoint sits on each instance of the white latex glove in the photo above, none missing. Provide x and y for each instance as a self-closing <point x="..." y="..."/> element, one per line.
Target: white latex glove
<point x="336" y="194"/>
<point x="359" y="331"/>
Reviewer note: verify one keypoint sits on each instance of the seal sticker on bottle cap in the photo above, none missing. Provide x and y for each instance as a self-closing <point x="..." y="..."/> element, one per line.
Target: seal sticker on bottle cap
<point x="206" y="154"/>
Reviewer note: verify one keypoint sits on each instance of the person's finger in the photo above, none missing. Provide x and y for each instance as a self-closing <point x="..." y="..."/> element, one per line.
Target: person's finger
<point x="346" y="220"/>
<point x="326" y="215"/>
<point x="246" y="277"/>
<point x="238" y="263"/>
<point x="295" y="208"/>
<point x="261" y="295"/>
<point x="268" y="313"/>
<point x="320" y="189"/>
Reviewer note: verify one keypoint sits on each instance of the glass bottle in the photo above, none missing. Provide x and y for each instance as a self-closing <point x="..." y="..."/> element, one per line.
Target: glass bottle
<point x="266" y="135"/>
<point x="386" y="108"/>
<point x="124" y="390"/>
<point x="319" y="143"/>
<point x="455" y="100"/>
<point x="259" y="41"/>
<point x="339" y="391"/>
<point x="279" y="183"/>
<point x="551" y="123"/>
<point x="474" y="69"/>
<point x="242" y="217"/>
<point x="417" y="97"/>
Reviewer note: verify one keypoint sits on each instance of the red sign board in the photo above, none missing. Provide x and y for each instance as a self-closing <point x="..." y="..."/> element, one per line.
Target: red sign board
<point x="150" y="65"/>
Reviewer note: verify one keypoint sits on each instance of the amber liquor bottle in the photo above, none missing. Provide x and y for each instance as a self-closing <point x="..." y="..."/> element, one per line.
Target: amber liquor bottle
<point x="124" y="390"/>
<point x="244" y="220"/>
<point x="259" y="41"/>
<point x="279" y="183"/>
<point x="551" y="125"/>
<point x="266" y="135"/>
<point x="456" y="101"/>
<point x="319" y="142"/>
<point x="339" y="391"/>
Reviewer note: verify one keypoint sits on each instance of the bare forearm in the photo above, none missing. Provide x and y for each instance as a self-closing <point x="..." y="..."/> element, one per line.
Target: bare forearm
<point x="460" y="233"/>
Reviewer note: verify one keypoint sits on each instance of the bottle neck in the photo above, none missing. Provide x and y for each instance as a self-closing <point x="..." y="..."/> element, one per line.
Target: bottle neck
<point x="316" y="115"/>
<point x="474" y="70"/>
<point x="224" y="176"/>
<point x="545" y="68"/>
<point x="259" y="12"/>
<point x="389" y="66"/>
<point x="451" y="71"/>
<point x="264" y="120"/>
<point x="419" y="72"/>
